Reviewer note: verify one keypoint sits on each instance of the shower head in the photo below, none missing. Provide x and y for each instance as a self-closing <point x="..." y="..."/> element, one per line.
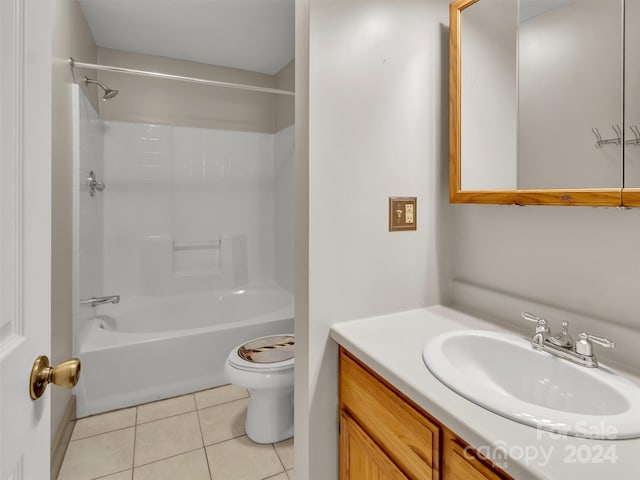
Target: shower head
<point x="108" y="92"/>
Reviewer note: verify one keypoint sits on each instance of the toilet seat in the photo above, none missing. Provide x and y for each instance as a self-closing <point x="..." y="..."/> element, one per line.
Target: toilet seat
<point x="265" y="366"/>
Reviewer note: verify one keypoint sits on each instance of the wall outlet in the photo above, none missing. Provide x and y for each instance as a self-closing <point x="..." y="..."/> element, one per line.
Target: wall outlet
<point x="402" y="213"/>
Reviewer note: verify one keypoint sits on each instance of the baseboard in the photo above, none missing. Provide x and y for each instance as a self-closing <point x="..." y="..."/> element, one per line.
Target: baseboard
<point x="62" y="438"/>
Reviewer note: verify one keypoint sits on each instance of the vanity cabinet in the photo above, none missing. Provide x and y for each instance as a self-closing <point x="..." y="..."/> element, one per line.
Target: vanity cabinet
<point x="461" y="463"/>
<point x="362" y="457"/>
<point x="384" y="435"/>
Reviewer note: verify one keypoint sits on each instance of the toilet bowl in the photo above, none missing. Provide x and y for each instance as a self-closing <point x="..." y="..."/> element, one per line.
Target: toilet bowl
<point x="264" y="366"/>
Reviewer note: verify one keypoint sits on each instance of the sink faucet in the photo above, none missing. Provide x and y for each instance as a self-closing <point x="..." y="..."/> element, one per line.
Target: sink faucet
<point x="95" y="301"/>
<point x="562" y="345"/>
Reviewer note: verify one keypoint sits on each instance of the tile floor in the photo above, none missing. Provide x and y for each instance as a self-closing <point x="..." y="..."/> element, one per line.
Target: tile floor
<point x="198" y="436"/>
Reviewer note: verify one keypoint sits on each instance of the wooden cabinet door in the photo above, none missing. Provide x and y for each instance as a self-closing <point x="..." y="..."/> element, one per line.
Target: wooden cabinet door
<point x="461" y="463"/>
<point x="408" y="437"/>
<point x="360" y="456"/>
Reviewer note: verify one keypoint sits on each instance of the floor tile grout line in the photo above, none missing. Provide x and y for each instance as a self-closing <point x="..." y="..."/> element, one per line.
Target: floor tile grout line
<point x="172" y="414"/>
<point x="189" y="411"/>
<point x="108" y="412"/>
<point x="135" y="437"/>
<point x="170" y="456"/>
<point x="226" y="440"/>
<point x="196" y="408"/>
<point x="219" y="404"/>
<point x="162" y="400"/>
<point x="114" y="473"/>
<point x="275" y="475"/>
<point x="164" y="418"/>
<point x="102" y="433"/>
<point x="206" y="456"/>
<point x="279" y="459"/>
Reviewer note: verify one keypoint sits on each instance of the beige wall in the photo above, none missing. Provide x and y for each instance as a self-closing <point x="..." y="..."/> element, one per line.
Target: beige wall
<point x="169" y="102"/>
<point x="581" y="259"/>
<point x="285" y="104"/>
<point x="71" y="38"/>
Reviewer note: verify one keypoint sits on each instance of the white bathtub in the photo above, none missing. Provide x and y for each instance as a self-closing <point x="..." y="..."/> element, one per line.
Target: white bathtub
<point x="148" y="348"/>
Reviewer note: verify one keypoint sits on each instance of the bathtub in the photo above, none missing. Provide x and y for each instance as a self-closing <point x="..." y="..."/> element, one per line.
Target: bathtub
<point x="149" y="348"/>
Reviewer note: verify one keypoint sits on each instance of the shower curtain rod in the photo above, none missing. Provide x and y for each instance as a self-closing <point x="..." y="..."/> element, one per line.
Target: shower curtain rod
<point x="167" y="76"/>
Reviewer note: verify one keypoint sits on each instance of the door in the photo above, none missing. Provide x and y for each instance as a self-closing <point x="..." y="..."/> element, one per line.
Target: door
<point x="25" y="233"/>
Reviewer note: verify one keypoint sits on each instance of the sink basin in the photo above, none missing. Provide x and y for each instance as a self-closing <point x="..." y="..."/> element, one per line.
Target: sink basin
<point x="503" y="374"/>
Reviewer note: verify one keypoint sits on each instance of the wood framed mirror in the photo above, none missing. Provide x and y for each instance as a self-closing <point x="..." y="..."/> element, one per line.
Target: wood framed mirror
<point x="631" y="190"/>
<point x="536" y="102"/>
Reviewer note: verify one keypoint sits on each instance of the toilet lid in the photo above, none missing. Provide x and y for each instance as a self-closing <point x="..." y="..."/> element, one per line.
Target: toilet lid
<point x="265" y="353"/>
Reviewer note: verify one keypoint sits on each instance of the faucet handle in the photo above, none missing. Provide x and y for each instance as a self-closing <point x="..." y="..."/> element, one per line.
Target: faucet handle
<point x="584" y="346"/>
<point x="542" y="324"/>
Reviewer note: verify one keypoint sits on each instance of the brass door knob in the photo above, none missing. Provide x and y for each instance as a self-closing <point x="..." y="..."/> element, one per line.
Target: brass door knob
<point x="64" y="375"/>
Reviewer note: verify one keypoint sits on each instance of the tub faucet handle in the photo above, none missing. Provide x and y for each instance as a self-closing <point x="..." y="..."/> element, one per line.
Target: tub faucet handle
<point x="95" y="301"/>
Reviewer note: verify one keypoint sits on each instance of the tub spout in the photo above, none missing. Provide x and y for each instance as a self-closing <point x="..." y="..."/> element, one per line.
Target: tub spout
<point x="95" y="301"/>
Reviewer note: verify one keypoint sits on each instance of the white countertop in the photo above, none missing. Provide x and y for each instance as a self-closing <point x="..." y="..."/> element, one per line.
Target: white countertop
<point x="392" y="346"/>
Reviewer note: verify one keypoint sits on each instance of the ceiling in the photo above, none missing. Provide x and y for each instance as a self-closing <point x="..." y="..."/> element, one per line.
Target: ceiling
<point x="255" y="35"/>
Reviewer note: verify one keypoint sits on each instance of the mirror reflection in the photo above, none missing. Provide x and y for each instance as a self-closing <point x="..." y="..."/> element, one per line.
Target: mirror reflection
<point x="542" y="94"/>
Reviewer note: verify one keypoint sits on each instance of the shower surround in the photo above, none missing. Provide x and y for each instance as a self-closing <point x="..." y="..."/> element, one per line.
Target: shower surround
<point x="175" y="195"/>
<point x="186" y="213"/>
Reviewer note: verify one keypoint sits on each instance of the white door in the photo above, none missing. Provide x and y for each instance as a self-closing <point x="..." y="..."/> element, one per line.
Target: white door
<point x="25" y="233"/>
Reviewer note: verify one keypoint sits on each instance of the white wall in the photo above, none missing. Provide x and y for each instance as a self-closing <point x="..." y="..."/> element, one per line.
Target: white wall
<point x="184" y="185"/>
<point x="489" y="95"/>
<point x="377" y="128"/>
<point x="570" y="81"/>
<point x="284" y="207"/>
<point x="87" y="210"/>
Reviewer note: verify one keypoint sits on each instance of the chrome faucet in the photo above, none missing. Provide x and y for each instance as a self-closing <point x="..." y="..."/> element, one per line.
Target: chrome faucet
<point x="562" y="345"/>
<point x="95" y="301"/>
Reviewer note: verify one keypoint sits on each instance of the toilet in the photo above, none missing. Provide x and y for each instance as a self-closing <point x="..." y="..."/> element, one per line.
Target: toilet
<point x="264" y="366"/>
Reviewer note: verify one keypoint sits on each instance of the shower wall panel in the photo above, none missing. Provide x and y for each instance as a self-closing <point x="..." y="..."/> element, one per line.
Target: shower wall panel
<point x="284" y="192"/>
<point x="87" y="210"/>
<point x="186" y="209"/>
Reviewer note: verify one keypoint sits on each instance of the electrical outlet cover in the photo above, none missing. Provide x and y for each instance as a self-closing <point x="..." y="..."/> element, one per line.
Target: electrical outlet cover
<point x="402" y="213"/>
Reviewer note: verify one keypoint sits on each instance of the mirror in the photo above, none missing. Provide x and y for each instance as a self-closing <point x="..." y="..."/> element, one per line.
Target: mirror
<point x="536" y="102"/>
<point x="631" y="192"/>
